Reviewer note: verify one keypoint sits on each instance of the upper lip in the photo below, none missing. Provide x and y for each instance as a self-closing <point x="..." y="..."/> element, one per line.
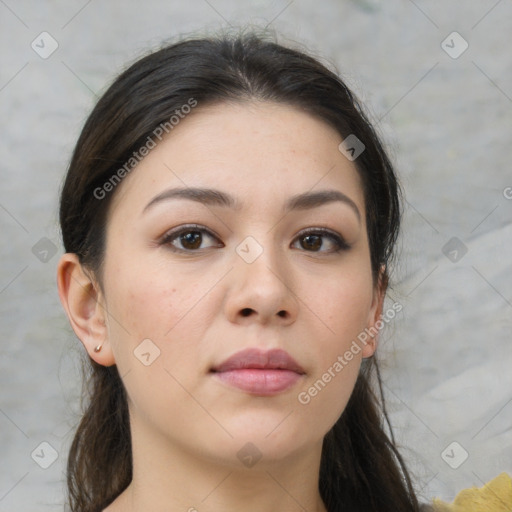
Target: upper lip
<point x="274" y="359"/>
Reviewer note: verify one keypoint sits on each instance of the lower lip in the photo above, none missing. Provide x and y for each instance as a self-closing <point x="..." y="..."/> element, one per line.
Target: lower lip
<point x="260" y="382"/>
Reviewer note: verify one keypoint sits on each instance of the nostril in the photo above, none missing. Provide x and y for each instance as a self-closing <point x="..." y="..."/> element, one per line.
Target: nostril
<point x="245" y="312"/>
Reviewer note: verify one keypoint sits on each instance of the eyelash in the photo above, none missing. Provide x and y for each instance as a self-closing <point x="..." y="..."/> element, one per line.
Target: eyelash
<point x="176" y="232"/>
<point x="338" y="241"/>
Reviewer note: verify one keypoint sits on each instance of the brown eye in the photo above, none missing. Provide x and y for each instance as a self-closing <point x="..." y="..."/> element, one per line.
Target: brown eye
<point x="311" y="242"/>
<point x="320" y="240"/>
<point x="191" y="240"/>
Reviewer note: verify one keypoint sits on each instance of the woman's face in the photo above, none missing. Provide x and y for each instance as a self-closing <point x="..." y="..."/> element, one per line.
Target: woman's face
<point x="244" y="230"/>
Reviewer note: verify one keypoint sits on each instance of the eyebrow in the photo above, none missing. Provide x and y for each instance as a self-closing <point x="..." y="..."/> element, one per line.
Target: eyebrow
<point x="310" y="200"/>
<point x="209" y="196"/>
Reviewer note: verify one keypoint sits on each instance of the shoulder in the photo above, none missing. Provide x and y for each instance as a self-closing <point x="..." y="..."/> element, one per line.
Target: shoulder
<point x="495" y="495"/>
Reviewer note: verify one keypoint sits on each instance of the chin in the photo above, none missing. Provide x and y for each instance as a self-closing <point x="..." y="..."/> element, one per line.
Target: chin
<point x="274" y="435"/>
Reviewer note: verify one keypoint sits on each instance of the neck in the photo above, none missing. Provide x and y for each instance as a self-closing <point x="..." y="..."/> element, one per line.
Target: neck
<point x="175" y="479"/>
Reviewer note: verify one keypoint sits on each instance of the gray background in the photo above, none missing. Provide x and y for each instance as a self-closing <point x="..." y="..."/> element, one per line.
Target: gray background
<point x="447" y="123"/>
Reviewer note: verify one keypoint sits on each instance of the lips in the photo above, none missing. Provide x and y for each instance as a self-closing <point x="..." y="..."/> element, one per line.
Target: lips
<point x="259" y="372"/>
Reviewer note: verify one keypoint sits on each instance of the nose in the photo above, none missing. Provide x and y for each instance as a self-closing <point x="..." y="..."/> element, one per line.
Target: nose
<point x="261" y="292"/>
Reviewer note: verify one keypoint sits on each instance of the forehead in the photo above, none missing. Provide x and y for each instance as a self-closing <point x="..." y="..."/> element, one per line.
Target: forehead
<point x="261" y="152"/>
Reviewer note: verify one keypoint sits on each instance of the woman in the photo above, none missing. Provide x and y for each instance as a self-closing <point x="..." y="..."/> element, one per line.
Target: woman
<point x="229" y="216"/>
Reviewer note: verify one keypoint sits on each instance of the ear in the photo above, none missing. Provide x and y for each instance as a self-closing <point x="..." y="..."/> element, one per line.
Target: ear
<point x="374" y="322"/>
<point x="84" y="304"/>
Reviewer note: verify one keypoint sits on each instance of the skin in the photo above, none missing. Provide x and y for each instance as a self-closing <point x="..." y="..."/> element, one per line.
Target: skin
<point x="200" y="307"/>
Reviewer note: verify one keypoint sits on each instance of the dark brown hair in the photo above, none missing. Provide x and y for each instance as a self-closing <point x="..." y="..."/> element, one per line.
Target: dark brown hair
<point x="361" y="469"/>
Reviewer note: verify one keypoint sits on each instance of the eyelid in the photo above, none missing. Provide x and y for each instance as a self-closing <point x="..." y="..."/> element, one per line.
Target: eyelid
<point x="336" y="237"/>
<point x="172" y="233"/>
<point x="169" y="235"/>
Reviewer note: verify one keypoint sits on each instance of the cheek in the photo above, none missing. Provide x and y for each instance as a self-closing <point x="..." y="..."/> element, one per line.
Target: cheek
<point x="166" y="308"/>
<point x="151" y="298"/>
<point x="145" y="305"/>
<point x="341" y="305"/>
<point x="170" y="307"/>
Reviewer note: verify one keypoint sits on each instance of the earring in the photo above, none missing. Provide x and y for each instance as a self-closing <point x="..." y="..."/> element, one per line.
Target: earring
<point x="98" y="348"/>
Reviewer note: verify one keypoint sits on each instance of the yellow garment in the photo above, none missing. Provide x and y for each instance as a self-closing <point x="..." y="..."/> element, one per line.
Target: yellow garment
<point x="494" y="496"/>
